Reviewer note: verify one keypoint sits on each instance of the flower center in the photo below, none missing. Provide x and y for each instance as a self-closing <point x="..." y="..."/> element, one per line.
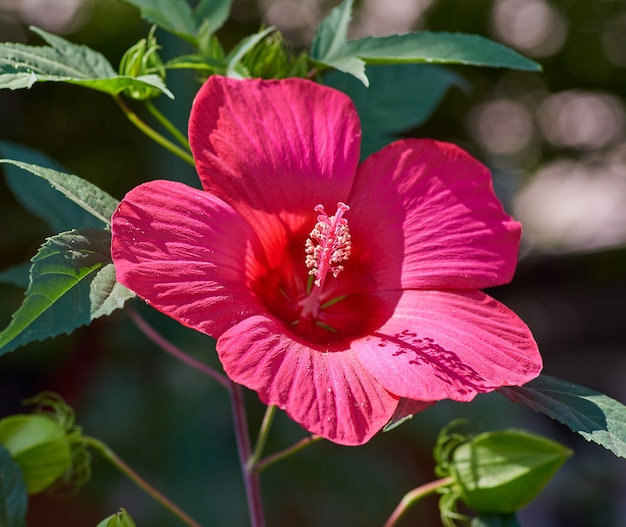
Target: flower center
<point x="328" y="245"/>
<point x="313" y="308"/>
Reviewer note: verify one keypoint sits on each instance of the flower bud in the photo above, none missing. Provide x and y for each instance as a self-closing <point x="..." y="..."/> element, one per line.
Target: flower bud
<point x="47" y="446"/>
<point x="121" y="519"/>
<point x="139" y="60"/>
<point x="271" y="58"/>
<point x="39" y="446"/>
<point x="502" y="471"/>
<point x="208" y="44"/>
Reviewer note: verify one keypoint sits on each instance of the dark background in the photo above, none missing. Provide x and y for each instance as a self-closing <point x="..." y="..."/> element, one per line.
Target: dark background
<point x="556" y="144"/>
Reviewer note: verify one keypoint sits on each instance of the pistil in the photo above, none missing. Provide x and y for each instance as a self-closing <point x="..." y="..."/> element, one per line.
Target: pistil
<point x="328" y="246"/>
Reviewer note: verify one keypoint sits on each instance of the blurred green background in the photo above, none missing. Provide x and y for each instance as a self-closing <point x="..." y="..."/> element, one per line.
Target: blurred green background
<point x="556" y="144"/>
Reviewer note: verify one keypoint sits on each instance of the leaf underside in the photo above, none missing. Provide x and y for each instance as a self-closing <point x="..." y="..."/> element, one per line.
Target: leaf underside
<point x="593" y="415"/>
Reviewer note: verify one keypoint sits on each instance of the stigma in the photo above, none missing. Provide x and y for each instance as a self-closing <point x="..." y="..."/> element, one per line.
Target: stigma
<point x="328" y="245"/>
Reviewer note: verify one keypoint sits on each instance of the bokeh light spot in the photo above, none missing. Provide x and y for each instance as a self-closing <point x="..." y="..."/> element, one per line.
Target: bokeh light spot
<point x="582" y="120"/>
<point x="502" y="126"/>
<point x="532" y="26"/>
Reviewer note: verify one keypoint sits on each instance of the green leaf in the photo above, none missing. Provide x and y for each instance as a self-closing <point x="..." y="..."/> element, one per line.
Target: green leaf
<point x="39" y="446"/>
<point x="212" y="12"/>
<point x="329" y="43"/>
<point x="503" y="471"/>
<point x="390" y="105"/>
<point x="495" y="520"/>
<point x="72" y="282"/>
<point x="36" y="194"/>
<point x="593" y="415"/>
<point x="87" y="196"/>
<point x="440" y="48"/>
<point x="13" y="493"/>
<point x="174" y="16"/>
<point x="331" y="48"/>
<point x="21" y="66"/>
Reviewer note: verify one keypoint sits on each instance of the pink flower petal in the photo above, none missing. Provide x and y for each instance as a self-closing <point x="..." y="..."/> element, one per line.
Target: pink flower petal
<point x="187" y="253"/>
<point x="449" y="345"/>
<point x="427" y="216"/>
<point x="275" y="147"/>
<point x="325" y="389"/>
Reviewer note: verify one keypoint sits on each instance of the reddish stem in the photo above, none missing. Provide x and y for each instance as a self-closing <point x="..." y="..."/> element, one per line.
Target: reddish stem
<point x="250" y="476"/>
<point x="177" y="353"/>
<point x="412" y="497"/>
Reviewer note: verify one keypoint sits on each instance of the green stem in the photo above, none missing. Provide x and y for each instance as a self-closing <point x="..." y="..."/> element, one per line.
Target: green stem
<point x="112" y="457"/>
<point x="411" y="498"/>
<point x="167" y="124"/>
<point x="300" y="445"/>
<point x="153" y="134"/>
<point x="270" y="412"/>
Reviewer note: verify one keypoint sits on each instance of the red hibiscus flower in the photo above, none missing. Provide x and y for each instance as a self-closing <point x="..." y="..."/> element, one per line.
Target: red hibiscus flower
<point x="344" y="294"/>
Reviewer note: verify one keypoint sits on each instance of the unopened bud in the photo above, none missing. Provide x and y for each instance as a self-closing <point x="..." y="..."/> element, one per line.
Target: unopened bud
<point x="47" y="445"/>
<point x="503" y="471"/>
<point x="272" y="58"/>
<point x="120" y="519"/>
<point x="140" y="60"/>
<point x="39" y="446"/>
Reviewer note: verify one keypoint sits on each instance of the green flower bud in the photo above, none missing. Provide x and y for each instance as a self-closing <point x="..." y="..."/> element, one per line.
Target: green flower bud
<point x="208" y="44"/>
<point x="121" y="519"/>
<point x="500" y="472"/>
<point x="140" y="60"/>
<point x="271" y="58"/>
<point x="39" y="446"/>
<point x="47" y="445"/>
